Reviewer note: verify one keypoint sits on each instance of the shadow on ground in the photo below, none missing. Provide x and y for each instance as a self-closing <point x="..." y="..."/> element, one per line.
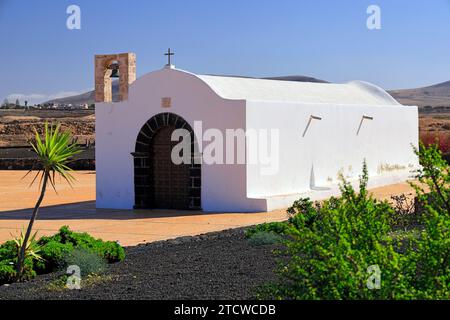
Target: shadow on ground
<point x="87" y="210"/>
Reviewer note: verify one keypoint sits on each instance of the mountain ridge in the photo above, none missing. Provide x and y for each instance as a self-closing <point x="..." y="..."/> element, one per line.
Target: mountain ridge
<point x="437" y="95"/>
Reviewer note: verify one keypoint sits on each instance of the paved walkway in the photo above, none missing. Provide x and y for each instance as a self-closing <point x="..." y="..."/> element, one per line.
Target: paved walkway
<point x="76" y="208"/>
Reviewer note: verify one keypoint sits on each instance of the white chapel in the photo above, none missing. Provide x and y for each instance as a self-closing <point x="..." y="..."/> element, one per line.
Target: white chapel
<point x="298" y="139"/>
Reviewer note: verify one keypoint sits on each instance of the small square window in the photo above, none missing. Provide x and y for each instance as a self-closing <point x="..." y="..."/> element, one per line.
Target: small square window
<point x="166" y="102"/>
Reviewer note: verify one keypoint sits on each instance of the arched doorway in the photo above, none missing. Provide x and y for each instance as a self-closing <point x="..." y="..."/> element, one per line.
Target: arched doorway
<point x="159" y="183"/>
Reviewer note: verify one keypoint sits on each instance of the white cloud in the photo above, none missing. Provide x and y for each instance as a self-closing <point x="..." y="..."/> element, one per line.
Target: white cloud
<point x="22" y="97"/>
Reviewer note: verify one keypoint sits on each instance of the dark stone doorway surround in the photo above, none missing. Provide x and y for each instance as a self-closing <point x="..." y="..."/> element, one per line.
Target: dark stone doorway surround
<point x="159" y="183"/>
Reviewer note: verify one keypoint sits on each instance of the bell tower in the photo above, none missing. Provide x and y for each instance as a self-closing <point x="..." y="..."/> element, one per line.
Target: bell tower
<point x="109" y="66"/>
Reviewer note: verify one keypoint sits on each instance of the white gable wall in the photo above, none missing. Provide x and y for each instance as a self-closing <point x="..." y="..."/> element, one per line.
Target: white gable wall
<point x="331" y="145"/>
<point x="118" y="125"/>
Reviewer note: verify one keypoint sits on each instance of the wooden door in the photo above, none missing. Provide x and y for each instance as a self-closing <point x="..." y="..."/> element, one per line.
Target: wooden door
<point x="170" y="181"/>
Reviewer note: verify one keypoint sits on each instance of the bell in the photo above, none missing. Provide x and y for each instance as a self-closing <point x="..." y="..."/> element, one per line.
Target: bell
<point x="114" y="67"/>
<point x="115" y="73"/>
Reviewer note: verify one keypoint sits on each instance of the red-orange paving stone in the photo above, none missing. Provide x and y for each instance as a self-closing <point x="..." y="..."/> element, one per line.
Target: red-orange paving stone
<point x="76" y="209"/>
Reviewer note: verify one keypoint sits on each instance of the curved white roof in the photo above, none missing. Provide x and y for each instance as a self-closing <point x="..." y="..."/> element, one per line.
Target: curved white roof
<point x="356" y="92"/>
<point x="236" y="88"/>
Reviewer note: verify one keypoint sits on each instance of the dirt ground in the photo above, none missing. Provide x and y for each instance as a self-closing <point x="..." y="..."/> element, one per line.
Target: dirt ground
<point x="16" y="126"/>
<point x="76" y="208"/>
<point x="435" y="121"/>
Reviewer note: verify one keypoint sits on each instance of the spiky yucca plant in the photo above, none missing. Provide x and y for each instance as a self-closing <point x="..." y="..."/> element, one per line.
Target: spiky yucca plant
<point x="54" y="152"/>
<point x="32" y="248"/>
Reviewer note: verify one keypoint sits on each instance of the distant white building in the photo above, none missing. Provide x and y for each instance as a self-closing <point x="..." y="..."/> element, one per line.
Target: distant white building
<point x="325" y="130"/>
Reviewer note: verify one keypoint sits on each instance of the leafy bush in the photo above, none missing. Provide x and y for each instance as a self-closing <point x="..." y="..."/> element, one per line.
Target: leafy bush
<point x="333" y="248"/>
<point x="109" y="250"/>
<point x="407" y="212"/>
<point x="263" y="238"/>
<point x="88" y="261"/>
<point x="273" y="227"/>
<point x="8" y="251"/>
<point x="433" y="189"/>
<point x="433" y="247"/>
<point x="433" y="258"/>
<point x="53" y="254"/>
<point x="302" y="211"/>
<point x="8" y="263"/>
<point x="28" y="271"/>
<point x="55" y="251"/>
<point x="7" y="272"/>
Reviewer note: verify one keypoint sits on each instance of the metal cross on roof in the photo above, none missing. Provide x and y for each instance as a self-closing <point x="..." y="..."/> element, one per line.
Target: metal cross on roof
<point x="169" y="54"/>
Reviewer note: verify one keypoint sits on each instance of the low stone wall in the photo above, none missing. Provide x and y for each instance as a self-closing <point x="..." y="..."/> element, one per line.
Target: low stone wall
<point x="24" y="158"/>
<point x="28" y="164"/>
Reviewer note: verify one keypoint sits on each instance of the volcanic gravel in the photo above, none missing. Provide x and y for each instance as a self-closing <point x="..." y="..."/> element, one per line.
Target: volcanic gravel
<point x="220" y="265"/>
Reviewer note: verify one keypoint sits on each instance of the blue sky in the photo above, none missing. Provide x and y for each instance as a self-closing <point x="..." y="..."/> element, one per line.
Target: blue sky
<point x="327" y="39"/>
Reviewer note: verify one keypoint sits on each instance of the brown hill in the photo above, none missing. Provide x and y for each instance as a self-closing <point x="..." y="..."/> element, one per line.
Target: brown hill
<point x="87" y="97"/>
<point x="434" y="96"/>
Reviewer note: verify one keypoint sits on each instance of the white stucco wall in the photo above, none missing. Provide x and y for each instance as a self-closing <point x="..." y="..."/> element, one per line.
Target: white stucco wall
<point x="118" y="125"/>
<point x="331" y="145"/>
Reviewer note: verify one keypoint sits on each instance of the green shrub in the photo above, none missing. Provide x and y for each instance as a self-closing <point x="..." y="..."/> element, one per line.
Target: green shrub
<point x="88" y="261"/>
<point x="55" y="250"/>
<point x="407" y="214"/>
<point x="53" y="254"/>
<point x="65" y="235"/>
<point x="303" y="211"/>
<point x="8" y="263"/>
<point x="7" y="272"/>
<point x="109" y="250"/>
<point x="263" y="238"/>
<point x="28" y="269"/>
<point x="331" y="246"/>
<point x="273" y="227"/>
<point x="434" y="180"/>
<point x="8" y="251"/>
<point x="432" y="255"/>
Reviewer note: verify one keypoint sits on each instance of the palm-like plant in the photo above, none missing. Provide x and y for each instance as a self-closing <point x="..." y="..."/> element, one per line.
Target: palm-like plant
<point x="54" y="152"/>
<point x="32" y="248"/>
